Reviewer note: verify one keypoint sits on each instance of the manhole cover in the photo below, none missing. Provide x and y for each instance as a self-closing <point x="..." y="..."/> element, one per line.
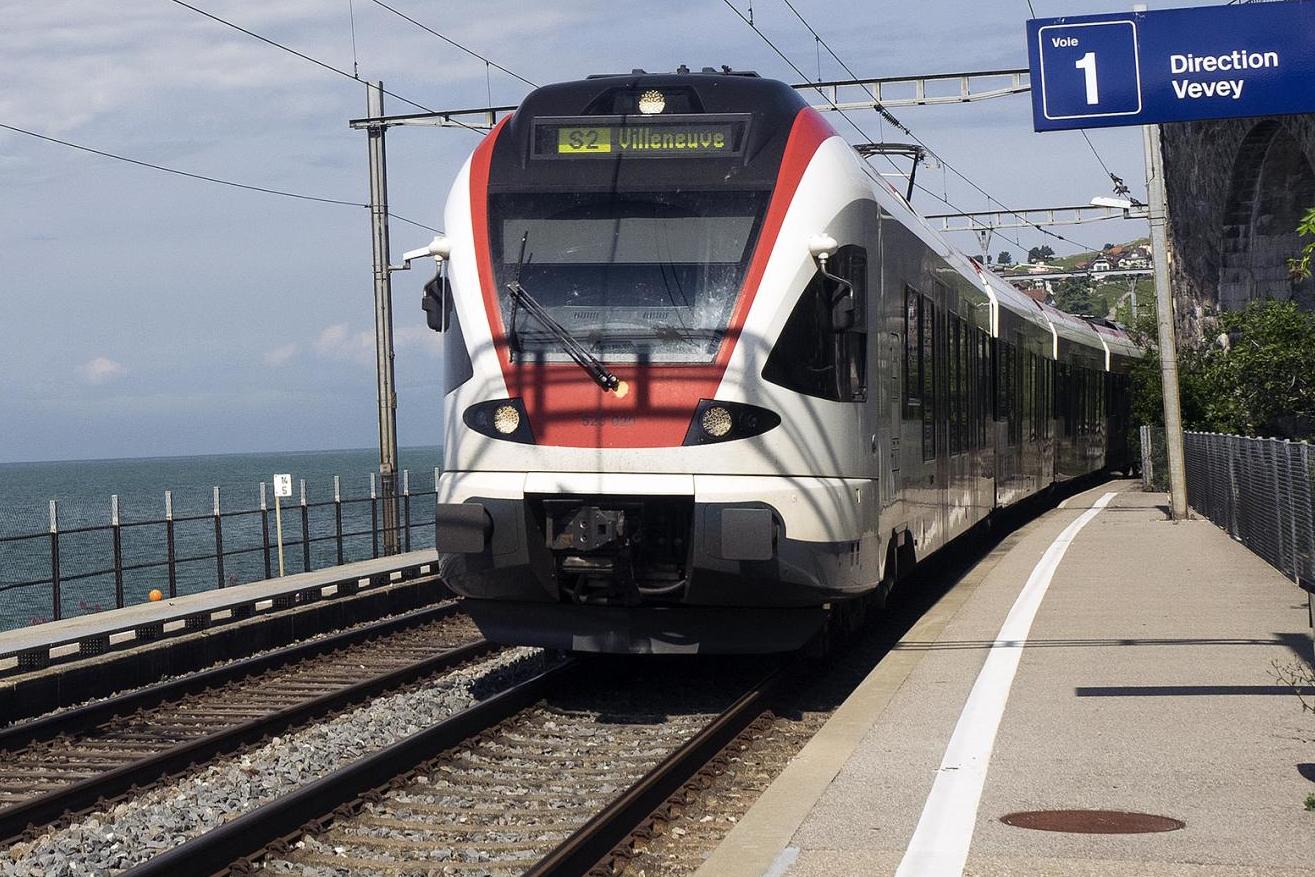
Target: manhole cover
<point x="1092" y="821"/>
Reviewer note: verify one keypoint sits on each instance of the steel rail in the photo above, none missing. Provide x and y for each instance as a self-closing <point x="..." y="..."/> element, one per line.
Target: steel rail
<point x="593" y="841"/>
<point x="79" y="796"/>
<point x="88" y="716"/>
<point x="234" y="841"/>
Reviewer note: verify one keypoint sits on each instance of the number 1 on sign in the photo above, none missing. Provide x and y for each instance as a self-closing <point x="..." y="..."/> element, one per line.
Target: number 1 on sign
<point x="1087" y="64"/>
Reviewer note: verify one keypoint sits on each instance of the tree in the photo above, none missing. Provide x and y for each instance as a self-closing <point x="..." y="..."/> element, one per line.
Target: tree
<point x="1005" y="258"/>
<point x="1107" y="248"/>
<point x="1262" y="382"/>
<point x="1074" y="295"/>
<point x="1300" y="267"/>
<point x="1039" y="254"/>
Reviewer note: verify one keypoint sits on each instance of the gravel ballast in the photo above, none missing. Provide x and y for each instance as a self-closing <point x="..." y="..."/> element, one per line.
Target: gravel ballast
<point x="106" y="842"/>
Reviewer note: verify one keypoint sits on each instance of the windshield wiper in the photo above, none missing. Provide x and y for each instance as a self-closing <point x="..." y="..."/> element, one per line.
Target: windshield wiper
<point x="521" y="298"/>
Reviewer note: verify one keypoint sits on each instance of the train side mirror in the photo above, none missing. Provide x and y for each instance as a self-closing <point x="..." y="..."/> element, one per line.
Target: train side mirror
<point x="437" y="301"/>
<point x="844" y="313"/>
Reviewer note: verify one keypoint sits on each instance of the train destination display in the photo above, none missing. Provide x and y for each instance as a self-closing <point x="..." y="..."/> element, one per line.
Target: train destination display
<point x="582" y="138"/>
<point x="1172" y="65"/>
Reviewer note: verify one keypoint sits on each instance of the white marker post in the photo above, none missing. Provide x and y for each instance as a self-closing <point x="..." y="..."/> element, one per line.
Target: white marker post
<point x="282" y="488"/>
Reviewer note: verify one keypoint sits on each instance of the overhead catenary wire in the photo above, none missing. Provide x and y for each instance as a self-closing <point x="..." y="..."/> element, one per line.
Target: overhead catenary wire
<point x="202" y="177"/>
<point x="451" y="42"/>
<point x="316" y="61"/>
<point x="858" y="128"/>
<point x="886" y="114"/>
<point x="944" y="164"/>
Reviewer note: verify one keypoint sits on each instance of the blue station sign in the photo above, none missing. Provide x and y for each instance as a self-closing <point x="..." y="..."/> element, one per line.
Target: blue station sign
<point x="1172" y="65"/>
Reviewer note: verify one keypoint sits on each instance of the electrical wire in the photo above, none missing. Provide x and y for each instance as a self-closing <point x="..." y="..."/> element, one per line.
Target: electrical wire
<point x="923" y="143"/>
<point x="454" y="43"/>
<point x="203" y="177"/>
<point x="854" y="124"/>
<point x="885" y="113"/>
<point x="327" y="66"/>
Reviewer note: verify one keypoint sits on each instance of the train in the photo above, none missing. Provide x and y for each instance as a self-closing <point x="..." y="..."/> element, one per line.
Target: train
<point x="713" y="384"/>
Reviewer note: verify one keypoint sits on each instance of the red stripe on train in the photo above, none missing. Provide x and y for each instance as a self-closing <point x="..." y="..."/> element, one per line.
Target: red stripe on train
<point x="565" y="407"/>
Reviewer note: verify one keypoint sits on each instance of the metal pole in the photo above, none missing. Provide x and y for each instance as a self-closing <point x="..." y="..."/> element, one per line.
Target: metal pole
<point x="219" y="541"/>
<point x="56" y="603"/>
<point x="278" y="528"/>
<point x="374" y="518"/>
<point x="171" y="555"/>
<point x="1158" y="209"/>
<point x="118" y="550"/>
<point x="305" y="530"/>
<point x="406" y="509"/>
<point x="383" y="316"/>
<point x="337" y="516"/>
<point x="264" y="531"/>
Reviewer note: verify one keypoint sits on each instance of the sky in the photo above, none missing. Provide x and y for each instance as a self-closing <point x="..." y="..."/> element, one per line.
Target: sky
<point x="144" y="314"/>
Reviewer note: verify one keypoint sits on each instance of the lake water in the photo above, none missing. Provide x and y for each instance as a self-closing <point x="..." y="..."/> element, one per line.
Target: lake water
<point x="83" y="489"/>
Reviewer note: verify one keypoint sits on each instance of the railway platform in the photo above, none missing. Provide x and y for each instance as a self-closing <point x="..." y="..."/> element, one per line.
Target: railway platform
<point x="51" y="665"/>
<point x="1101" y="658"/>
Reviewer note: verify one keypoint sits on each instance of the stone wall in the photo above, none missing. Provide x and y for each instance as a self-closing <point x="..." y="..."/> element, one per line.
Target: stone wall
<point x="1237" y="189"/>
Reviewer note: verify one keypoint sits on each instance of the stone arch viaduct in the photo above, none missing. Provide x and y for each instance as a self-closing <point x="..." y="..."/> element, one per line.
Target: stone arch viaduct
<point x="1237" y="190"/>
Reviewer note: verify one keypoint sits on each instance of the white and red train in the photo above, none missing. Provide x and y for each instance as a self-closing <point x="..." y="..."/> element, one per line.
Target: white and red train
<point x="711" y="380"/>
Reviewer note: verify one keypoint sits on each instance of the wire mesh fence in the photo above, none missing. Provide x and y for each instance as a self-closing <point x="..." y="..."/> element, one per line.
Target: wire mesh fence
<point x="1261" y="492"/>
<point x="74" y="568"/>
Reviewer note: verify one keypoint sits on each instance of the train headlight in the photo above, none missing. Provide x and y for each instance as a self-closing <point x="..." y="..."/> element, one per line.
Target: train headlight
<point x="716" y="421"/>
<point x="652" y="102"/>
<point x="503" y="419"/>
<point x="506" y="419"/>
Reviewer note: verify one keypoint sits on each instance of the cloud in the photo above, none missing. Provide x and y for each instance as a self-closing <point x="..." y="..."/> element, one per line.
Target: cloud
<point x="102" y="370"/>
<point x="340" y="343"/>
<point x="280" y="355"/>
<point x="418" y="338"/>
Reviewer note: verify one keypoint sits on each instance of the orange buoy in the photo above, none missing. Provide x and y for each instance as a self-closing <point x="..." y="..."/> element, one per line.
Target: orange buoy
<point x="155" y="595"/>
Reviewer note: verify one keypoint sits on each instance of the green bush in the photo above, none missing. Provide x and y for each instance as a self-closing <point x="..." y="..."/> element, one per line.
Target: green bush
<point x="1257" y="377"/>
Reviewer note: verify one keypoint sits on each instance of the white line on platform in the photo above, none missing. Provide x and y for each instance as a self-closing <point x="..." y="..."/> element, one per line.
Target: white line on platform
<point x="1063" y="504"/>
<point x="939" y="847"/>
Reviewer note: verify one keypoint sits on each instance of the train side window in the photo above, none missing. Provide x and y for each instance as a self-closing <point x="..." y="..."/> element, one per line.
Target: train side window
<point x="814" y="355"/>
<point x="458" y="367"/>
<point x="912" y="353"/>
<point x="955" y="386"/>
<point x="985" y="397"/>
<point x="970" y="386"/>
<point x="1015" y="392"/>
<point x="927" y="353"/>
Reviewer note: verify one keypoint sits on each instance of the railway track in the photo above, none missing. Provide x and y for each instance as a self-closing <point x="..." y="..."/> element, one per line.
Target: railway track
<point x="542" y="779"/>
<point x="70" y="761"/>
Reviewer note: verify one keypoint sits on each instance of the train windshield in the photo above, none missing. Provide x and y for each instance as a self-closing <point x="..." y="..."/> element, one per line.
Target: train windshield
<point x="634" y="277"/>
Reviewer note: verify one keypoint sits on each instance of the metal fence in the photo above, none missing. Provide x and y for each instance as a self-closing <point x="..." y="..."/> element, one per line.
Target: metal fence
<point x="1261" y="492"/>
<point x="68" y="571"/>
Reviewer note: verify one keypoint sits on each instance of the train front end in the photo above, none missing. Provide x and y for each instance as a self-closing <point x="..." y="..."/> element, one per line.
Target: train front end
<point x="621" y="255"/>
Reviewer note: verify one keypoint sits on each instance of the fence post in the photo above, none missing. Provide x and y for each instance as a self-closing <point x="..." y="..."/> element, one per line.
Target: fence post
<point x="337" y="516"/>
<point x="406" y="509"/>
<point x="117" y="536"/>
<point x="170" y="555"/>
<point x="219" y="541"/>
<point x="305" y="529"/>
<point x="264" y="530"/>
<point x="56" y="604"/>
<point x="374" y="518"/>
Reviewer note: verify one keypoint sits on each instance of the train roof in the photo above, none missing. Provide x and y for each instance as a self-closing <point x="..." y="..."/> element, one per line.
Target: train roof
<point x="1117" y="342"/>
<point x="1005" y="295"/>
